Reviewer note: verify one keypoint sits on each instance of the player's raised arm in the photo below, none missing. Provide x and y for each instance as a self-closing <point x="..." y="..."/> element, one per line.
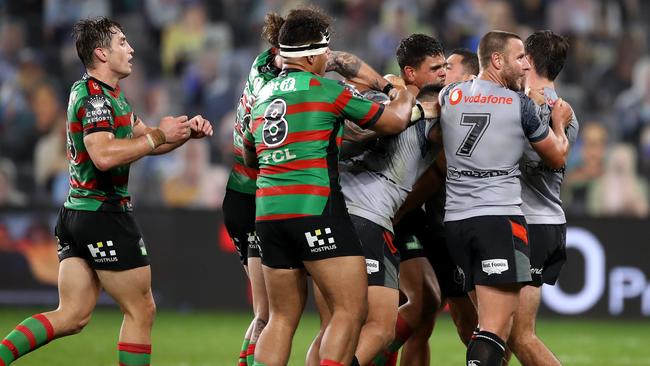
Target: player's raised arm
<point x="356" y="71"/>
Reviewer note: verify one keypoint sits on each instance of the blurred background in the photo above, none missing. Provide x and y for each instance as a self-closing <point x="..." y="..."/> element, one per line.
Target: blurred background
<point x="192" y="57"/>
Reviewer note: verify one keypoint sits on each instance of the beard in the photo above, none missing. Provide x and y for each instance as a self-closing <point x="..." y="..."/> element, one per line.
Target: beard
<point x="513" y="80"/>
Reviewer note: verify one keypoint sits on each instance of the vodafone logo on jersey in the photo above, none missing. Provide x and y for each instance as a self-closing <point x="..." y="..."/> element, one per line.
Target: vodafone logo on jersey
<point x="455" y="96"/>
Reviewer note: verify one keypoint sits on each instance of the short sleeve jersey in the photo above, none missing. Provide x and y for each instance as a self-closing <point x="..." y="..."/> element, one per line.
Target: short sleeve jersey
<point x="485" y="129"/>
<point x="296" y="132"/>
<point x="242" y="178"/>
<point x="540" y="184"/>
<point x="376" y="183"/>
<point x="94" y="106"/>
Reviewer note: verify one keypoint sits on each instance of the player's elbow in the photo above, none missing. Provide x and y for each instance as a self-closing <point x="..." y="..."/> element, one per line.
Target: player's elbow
<point x="556" y="162"/>
<point x="103" y="163"/>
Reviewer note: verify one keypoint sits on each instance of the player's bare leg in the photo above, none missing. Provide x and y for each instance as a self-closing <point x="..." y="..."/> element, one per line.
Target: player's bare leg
<point x="379" y="329"/>
<point x="131" y="289"/>
<point x="260" y="304"/>
<point x="529" y="349"/>
<point x="463" y="313"/>
<point x="496" y="306"/>
<point x="78" y="292"/>
<point x="344" y="285"/>
<point x="416" y="350"/>
<point x="313" y="358"/>
<point x="287" y="294"/>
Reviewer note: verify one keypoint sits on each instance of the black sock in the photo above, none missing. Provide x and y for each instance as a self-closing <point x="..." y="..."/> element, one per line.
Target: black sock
<point x="355" y="361"/>
<point x="486" y="348"/>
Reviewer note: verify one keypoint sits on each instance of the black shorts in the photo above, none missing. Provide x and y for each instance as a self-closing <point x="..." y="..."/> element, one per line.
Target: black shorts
<point x="287" y="243"/>
<point x="409" y="233"/>
<point x="447" y="273"/>
<point x="106" y="240"/>
<point x="239" y="219"/>
<point x="490" y="250"/>
<point x="547" y="252"/>
<point x="382" y="258"/>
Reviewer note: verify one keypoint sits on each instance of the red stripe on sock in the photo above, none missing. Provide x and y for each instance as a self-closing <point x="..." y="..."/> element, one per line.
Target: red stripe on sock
<point x="134" y="347"/>
<point x="27" y="333"/>
<point x="7" y="343"/>
<point x="392" y="360"/>
<point x="46" y="323"/>
<point x="330" y="363"/>
<point x="250" y="350"/>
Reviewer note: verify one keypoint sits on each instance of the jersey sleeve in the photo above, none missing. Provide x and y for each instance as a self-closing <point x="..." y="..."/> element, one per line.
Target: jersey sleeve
<point x="534" y="127"/>
<point x="363" y="112"/>
<point x="97" y="114"/>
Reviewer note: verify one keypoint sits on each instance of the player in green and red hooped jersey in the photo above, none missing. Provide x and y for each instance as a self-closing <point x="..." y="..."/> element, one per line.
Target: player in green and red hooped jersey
<point x="104" y="137"/>
<point x="304" y="48"/>
<point x="241" y="184"/>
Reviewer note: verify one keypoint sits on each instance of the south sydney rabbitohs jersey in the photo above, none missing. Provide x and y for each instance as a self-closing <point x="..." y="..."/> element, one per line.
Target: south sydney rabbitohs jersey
<point x="540" y="184"/>
<point x="296" y="131"/>
<point x="242" y="178"/>
<point x="376" y="183"/>
<point x="93" y="107"/>
<point x="486" y="128"/>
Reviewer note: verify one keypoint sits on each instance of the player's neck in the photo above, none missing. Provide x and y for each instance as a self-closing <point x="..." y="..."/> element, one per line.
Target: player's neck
<point x="105" y="76"/>
<point x="536" y="82"/>
<point x="493" y="76"/>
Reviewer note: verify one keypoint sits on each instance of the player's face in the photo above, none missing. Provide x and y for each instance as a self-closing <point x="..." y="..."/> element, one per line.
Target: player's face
<point x="455" y="69"/>
<point x="431" y="71"/>
<point x="119" y="55"/>
<point x="515" y="64"/>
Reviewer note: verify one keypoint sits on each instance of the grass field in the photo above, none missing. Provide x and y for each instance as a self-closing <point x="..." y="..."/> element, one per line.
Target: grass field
<point x="214" y="338"/>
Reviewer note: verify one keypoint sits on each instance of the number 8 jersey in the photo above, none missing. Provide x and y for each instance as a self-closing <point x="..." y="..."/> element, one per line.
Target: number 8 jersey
<point x="485" y="127"/>
<point x="296" y="132"/>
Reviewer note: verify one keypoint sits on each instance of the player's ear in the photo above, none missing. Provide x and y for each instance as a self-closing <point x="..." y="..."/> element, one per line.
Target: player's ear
<point x="100" y="53"/>
<point x="409" y="74"/>
<point x="497" y="60"/>
<point x="311" y="59"/>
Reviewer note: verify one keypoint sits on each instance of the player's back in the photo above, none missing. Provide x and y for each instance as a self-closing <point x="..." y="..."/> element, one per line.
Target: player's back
<point x="297" y="131"/>
<point x="541" y="184"/>
<point x="485" y="126"/>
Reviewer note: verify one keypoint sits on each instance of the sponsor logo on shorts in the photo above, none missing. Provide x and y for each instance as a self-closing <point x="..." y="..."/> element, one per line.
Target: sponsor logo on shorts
<point x="473" y="363"/>
<point x="372" y="266"/>
<point x="413" y="243"/>
<point x="102" y="253"/>
<point x="320" y="240"/>
<point x="494" y="266"/>
<point x="60" y="248"/>
<point x="459" y="276"/>
<point x="253" y="240"/>
<point x="143" y="249"/>
<point x="536" y="271"/>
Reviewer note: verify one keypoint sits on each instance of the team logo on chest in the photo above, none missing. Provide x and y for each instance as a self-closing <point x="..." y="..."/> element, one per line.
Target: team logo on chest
<point x="275" y="128"/>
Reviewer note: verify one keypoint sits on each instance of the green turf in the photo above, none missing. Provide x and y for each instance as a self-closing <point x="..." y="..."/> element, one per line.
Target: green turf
<point x="202" y="339"/>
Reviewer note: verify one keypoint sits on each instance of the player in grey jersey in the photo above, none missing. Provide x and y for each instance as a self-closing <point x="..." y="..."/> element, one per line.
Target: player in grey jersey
<point x="485" y="125"/>
<point x="542" y="207"/>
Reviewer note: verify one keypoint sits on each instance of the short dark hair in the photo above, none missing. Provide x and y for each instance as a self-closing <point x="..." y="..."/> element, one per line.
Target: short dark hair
<point x="303" y="26"/>
<point x="429" y="92"/>
<point x="548" y="51"/>
<point x="271" y="31"/>
<point x="491" y="42"/>
<point x="92" y="33"/>
<point x="470" y="60"/>
<point x="415" y="48"/>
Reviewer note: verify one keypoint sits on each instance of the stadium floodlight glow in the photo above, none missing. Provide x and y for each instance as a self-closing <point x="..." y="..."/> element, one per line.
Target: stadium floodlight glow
<point x="592" y="251"/>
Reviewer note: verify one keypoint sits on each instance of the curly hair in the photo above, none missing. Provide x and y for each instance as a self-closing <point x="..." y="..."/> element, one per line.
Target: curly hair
<point x="303" y="26"/>
<point x="271" y="31"/>
<point x="415" y="48"/>
<point x="92" y="33"/>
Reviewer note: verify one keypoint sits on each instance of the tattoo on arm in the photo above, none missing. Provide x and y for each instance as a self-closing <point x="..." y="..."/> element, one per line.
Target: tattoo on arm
<point x="344" y="63"/>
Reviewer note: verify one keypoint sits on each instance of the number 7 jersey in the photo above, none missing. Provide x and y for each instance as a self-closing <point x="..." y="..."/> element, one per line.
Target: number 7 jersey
<point x="296" y="132"/>
<point x="485" y="129"/>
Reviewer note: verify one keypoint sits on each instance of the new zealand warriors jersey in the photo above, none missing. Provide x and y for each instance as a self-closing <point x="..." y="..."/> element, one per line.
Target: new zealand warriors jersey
<point x="296" y="132"/>
<point x="376" y="183"/>
<point x="242" y="178"/>
<point x="93" y="107"/>
<point x="540" y="184"/>
<point x="485" y="127"/>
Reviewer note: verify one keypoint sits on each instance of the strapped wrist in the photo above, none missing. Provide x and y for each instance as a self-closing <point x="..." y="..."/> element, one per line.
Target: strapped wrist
<point x="156" y="138"/>
<point x="387" y="88"/>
